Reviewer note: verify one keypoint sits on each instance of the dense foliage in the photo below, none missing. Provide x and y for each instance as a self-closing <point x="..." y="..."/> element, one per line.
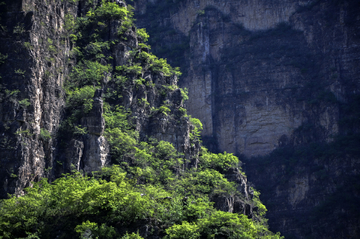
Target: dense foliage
<point x="150" y="191"/>
<point x="110" y="204"/>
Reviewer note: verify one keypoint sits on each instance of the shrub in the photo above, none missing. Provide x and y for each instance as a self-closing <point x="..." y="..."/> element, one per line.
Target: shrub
<point x="45" y="135"/>
<point x="24" y="103"/>
<point x="82" y="97"/>
<point x="143" y="34"/>
<point x="164" y="110"/>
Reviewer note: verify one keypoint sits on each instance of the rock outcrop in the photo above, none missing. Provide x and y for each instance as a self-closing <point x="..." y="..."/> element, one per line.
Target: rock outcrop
<point x="37" y="55"/>
<point x="34" y="53"/>
<point x="252" y="66"/>
<point x="263" y="75"/>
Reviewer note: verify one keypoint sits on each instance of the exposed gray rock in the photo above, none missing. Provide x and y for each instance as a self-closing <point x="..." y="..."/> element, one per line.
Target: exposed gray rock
<point x="268" y="74"/>
<point x="96" y="153"/>
<point x="74" y="153"/>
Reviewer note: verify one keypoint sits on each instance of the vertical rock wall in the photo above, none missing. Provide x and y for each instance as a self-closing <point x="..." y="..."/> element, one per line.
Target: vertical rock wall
<point x="264" y="75"/>
<point x="36" y="59"/>
<point x="258" y="70"/>
<point x="35" y="42"/>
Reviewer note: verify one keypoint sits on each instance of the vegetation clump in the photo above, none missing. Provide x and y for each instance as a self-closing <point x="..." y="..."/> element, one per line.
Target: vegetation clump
<point x="151" y="189"/>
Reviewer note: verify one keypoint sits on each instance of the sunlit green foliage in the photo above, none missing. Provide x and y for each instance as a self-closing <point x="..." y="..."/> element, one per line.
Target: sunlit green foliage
<point x="103" y="205"/>
<point x="88" y="73"/>
<point x="143" y="34"/>
<point x="221" y="161"/>
<point x="151" y="185"/>
<point x="197" y="127"/>
<point x="24" y="103"/>
<point x="109" y="10"/>
<point x="82" y="97"/>
<point x="45" y="135"/>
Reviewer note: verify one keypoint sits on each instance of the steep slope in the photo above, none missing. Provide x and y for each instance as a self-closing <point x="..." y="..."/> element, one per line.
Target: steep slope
<point x="86" y="94"/>
<point x="34" y="51"/>
<point x="258" y="70"/>
<point x="264" y="75"/>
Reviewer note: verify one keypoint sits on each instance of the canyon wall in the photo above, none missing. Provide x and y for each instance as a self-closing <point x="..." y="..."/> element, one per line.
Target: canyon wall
<point x="35" y="50"/>
<point x="37" y="138"/>
<point x="275" y="82"/>
<point x="274" y="75"/>
<point x="258" y="70"/>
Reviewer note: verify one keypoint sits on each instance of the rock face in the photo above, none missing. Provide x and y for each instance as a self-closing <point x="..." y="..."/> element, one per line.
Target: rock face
<point x="35" y="61"/>
<point x="32" y="75"/>
<point x="261" y="75"/>
<point x="310" y="197"/>
<point x="96" y="147"/>
<point x="264" y="75"/>
<point x="252" y="66"/>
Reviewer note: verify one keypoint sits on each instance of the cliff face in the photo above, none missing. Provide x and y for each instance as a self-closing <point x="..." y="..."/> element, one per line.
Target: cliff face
<point x="261" y="75"/>
<point x="37" y="54"/>
<point x="80" y="90"/>
<point x="264" y="75"/>
<point x="258" y="70"/>
<point x="310" y="191"/>
<point x="34" y="48"/>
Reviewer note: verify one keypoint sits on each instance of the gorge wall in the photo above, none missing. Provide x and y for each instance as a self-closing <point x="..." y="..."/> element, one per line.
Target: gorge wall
<point x="37" y="136"/>
<point x="275" y="82"/>
<point x="34" y="53"/>
<point x="275" y="75"/>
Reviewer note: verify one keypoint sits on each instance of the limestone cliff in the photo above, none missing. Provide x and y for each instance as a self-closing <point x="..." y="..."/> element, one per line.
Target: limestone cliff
<point x="34" y="53"/>
<point x="252" y="65"/>
<point x="263" y="75"/>
<point x="37" y="55"/>
<point x="69" y="73"/>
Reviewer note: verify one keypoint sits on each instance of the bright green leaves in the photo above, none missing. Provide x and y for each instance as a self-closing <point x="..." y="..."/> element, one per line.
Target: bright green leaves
<point x="82" y="97"/>
<point x="185" y="230"/>
<point x="69" y="23"/>
<point x="88" y="73"/>
<point x="257" y="203"/>
<point x="206" y="182"/>
<point x="132" y="236"/>
<point x="79" y="101"/>
<point x="118" y="132"/>
<point x="135" y="69"/>
<point x="184" y="93"/>
<point x="94" y="50"/>
<point x="143" y="34"/>
<point x="72" y="197"/>
<point x="164" y="110"/>
<point x="161" y="65"/>
<point x="155" y="64"/>
<point x="93" y="230"/>
<point x="195" y="134"/>
<point x="221" y="161"/>
<point x="116" y="117"/>
<point x="109" y="10"/>
<point x="220" y="225"/>
<point x="227" y="225"/>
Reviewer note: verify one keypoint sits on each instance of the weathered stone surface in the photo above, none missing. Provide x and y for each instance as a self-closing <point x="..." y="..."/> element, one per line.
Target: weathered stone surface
<point x="310" y="198"/>
<point x="35" y="39"/>
<point x="96" y="153"/>
<point x="268" y="74"/>
<point x="32" y="37"/>
<point x="74" y="153"/>
<point x="252" y="66"/>
<point x="94" y="120"/>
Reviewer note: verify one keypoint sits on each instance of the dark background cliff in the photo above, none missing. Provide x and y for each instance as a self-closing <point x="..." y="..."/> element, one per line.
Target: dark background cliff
<point x="262" y="75"/>
<point x="275" y="75"/>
